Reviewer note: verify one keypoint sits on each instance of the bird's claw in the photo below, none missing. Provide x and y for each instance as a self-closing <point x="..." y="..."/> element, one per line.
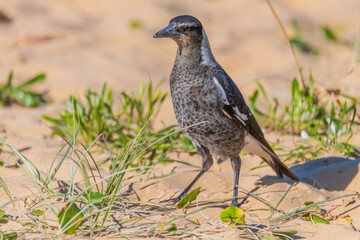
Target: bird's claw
<point x="178" y="198"/>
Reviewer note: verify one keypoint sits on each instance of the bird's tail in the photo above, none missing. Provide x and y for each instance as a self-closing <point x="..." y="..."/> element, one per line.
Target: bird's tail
<point x="280" y="168"/>
<point x="269" y="156"/>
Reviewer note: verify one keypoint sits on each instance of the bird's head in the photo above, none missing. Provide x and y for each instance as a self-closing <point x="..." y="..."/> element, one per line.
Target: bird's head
<point x="191" y="38"/>
<point x="185" y="30"/>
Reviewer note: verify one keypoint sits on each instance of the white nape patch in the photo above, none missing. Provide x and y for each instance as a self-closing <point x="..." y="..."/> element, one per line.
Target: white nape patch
<point x="206" y="54"/>
<point x="242" y="116"/>
<point x="221" y="91"/>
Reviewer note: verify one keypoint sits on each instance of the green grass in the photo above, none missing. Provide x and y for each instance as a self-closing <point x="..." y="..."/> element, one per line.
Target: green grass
<point x="21" y="94"/>
<point x="298" y="40"/>
<point x="88" y="206"/>
<point x="323" y="125"/>
<point x="119" y="126"/>
<point x="96" y="196"/>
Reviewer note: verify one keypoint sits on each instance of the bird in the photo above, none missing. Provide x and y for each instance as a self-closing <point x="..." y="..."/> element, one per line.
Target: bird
<point x="210" y="108"/>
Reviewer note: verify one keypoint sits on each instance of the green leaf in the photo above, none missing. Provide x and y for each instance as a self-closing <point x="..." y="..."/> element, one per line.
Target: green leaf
<point x="262" y="89"/>
<point x="8" y="83"/>
<point x="289" y="233"/>
<point x="136" y="24"/>
<point x="172" y="228"/>
<point x="253" y="99"/>
<point x="94" y="197"/>
<point x="2" y="213"/>
<point x="332" y="113"/>
<point x="37" y="212"/>
<point x="50" y="119"/>
<point x="9" y="236"/>
<point x="37" y="79"/>
<point x="311" y="85"/>
<point x="3" y="221"/>
<point x="29" y="225"/>
<point x="234" y="215"/>
<point x="295" y="89"/>
<point x="72" y="216"/>
<point x="20" y="94"/>
<point x="329" y="34"/>
<point x="308" y="203"/>
<point x="313" y="218"/>
<point x="317" y="219"/>
<point x="303" y="46"/>
<point x="197" y="222"/>
<point x="190" y="197"/>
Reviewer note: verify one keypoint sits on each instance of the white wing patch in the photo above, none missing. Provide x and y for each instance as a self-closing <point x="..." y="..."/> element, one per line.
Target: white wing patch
<point x="221" y="91"/>
<point x="240" y="116"/>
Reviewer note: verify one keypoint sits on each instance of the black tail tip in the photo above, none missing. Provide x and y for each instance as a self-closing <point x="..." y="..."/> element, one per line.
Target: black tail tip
<point x="288" y="173"/>
<point x="293" y="176"/>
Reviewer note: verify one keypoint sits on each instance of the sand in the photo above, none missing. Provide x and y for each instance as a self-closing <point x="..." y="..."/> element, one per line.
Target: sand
<point x="81" y="44"/>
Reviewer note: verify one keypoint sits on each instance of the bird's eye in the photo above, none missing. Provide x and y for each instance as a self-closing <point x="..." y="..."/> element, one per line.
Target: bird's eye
<point x="188" y="29"/>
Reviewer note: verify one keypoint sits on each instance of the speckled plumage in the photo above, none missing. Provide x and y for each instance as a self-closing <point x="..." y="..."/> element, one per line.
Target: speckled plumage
<point x="210" y="106"/>
<point x="196" y="104"/>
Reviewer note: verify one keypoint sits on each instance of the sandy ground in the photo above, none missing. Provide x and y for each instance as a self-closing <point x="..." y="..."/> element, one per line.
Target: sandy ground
<point x="81" y="44"/>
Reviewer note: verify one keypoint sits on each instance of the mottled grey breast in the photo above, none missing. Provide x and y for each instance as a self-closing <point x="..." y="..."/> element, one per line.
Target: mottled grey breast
<point x="197" y="105"/>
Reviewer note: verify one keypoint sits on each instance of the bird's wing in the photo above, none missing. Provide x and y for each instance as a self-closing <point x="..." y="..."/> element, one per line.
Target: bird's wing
<point x="235" y="108"/>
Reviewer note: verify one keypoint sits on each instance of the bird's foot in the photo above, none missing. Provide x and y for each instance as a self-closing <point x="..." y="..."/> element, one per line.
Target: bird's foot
<point x="178" y="198"/>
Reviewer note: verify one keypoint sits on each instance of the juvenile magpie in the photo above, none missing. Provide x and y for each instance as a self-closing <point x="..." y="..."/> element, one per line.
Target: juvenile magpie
<point x="210" y="107"/>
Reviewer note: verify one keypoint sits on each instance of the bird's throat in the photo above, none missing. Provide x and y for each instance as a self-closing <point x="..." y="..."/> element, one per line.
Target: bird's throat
<point x="195" y="51"/>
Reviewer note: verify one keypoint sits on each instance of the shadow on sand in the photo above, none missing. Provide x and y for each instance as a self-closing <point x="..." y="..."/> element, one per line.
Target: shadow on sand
<point x="331" y="173"/>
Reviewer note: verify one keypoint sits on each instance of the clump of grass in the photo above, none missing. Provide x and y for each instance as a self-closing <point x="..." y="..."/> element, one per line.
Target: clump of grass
<point x="322" y="124"/>
<point x="297" y="40"/>
<point x="272" y="119"/>
<point x="87" y="205"/>
<point x="299" y="34"/>
<point x="119" y="126"/>
<point x="21" y="94"/>
<point x="308" y="113"/>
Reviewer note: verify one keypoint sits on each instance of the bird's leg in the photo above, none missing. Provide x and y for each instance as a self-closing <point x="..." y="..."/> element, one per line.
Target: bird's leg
<point x="207" y="161"/>
<point x="178" y="198"/>
<point x="236" y="164"/>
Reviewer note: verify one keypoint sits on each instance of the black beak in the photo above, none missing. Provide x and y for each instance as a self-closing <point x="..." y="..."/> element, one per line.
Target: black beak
<point x="166" y="32"/>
